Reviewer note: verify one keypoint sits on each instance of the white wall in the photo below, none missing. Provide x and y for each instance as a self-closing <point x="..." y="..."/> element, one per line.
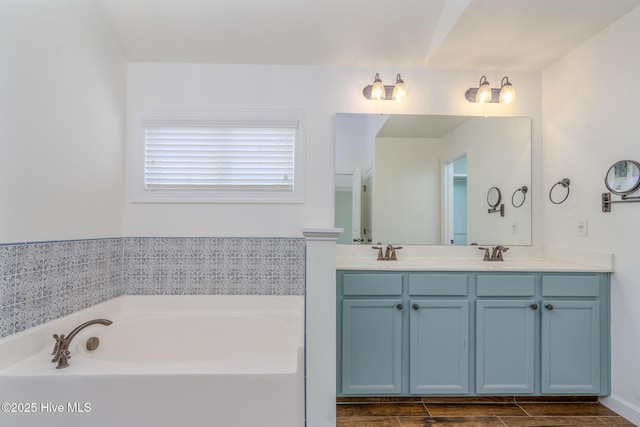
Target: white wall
<point x="406" y="191"/>
<point x="320" y="92"/>
<point x="352" y="148"/>
<point x="62" y="112"/>
<point x="591" y="121"/>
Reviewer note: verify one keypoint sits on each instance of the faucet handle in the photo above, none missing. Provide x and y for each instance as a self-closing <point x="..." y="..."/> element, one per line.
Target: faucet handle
<point x="380" y="255"/>
<point x="393" y="256"/>
<point x="56" y="348"/>
<point x="487" y="257"/>
<point x="499" y="250"/>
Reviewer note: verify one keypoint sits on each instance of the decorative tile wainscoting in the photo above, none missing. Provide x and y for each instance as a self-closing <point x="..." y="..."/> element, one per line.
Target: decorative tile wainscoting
<point x="42" y="281"/>
<point x="214" y="266"/>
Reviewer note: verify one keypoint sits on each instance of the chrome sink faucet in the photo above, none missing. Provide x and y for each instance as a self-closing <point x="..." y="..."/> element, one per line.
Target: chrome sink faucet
<point x="389" y="252"/>
<point x="496" y="253"/>
<point x="61" y="353"/>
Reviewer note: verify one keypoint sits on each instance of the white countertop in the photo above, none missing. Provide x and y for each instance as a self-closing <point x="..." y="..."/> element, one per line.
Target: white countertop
<point x="459" y="259"/>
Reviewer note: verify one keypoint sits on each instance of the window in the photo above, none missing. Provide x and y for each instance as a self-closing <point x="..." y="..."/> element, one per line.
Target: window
<point x="242" y="156"/>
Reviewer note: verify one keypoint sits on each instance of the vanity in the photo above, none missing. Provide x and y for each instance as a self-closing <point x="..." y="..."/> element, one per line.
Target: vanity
<point x="440" y="320"/>
<point x="463" y="326"/>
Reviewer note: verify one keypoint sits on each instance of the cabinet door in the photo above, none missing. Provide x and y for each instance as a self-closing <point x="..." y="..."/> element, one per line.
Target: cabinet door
<point x="371" y="346"/>
<point x="505" y="340"/>
<point x="439" y="347"/>
<point x="570" y="347"/>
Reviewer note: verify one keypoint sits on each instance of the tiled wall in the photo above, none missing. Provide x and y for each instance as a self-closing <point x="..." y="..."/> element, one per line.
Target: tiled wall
<point x="214" y="266"/>
<point x="43" y="281"/>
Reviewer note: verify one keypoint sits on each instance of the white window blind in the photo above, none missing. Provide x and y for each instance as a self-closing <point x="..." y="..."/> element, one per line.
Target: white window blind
<point x="218" y="158"/>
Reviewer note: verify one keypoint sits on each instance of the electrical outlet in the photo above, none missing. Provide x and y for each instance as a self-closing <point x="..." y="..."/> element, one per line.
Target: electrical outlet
<point x="514" y="228"/>
<point x="581" y="227"/>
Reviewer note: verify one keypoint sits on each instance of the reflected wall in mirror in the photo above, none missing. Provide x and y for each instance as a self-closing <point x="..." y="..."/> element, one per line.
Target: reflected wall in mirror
<point x="424" y="179"/>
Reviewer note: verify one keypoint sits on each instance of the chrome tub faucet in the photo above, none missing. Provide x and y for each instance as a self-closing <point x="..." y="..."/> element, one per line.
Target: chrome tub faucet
<point x="61" y="353"/>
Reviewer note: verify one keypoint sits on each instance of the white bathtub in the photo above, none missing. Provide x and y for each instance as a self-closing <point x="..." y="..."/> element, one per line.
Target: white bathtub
<point x="227" y="361"/>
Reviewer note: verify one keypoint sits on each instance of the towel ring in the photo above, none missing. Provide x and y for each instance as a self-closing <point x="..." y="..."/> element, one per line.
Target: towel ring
<point x="524" y="190"/>
<point x="564" y="183"/>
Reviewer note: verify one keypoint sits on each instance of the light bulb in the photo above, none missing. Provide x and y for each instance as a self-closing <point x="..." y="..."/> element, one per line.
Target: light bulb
<point x="507" y="92"/>
<point x="399" y="90"/>
<point x="484" y="93"/>
<point x="377" y="90"/>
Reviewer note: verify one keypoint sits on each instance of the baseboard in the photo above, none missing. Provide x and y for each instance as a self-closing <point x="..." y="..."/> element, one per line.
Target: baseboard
<point x="623" y="408"/>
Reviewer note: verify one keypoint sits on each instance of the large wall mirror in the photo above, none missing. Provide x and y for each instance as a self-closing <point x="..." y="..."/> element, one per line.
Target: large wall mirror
<point x="414" y="179"/>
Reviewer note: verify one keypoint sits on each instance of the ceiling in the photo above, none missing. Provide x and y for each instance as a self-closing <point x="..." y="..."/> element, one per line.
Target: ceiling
<point x="443" y="34"/>
<point x="417" y="126"/>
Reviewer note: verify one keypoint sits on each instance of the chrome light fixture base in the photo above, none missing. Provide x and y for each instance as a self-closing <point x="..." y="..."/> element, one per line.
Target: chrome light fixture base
<point x="471" y="93"/>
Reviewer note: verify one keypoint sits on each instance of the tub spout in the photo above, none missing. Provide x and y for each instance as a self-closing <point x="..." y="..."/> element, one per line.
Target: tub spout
<point x="61" y="353"/>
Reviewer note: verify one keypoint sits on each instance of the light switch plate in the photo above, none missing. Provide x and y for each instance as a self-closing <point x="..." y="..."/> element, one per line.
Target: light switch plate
<point x="582" y="227"/>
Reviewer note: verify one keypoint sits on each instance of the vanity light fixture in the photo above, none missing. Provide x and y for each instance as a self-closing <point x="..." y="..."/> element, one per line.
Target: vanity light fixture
<point x="377" y="91"/>
<point x="484" y="93"/>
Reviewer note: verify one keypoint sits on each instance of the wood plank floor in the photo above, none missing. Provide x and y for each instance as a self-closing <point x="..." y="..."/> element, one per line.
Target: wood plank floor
<point x="475" y="412"/>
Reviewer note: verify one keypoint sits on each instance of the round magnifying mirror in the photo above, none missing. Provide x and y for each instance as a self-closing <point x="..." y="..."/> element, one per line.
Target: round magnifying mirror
<point x="623" y="177"/>
<point x="494" y="197"/>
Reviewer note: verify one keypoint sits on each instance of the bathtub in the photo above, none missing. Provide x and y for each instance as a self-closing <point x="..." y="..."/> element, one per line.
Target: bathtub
<point x="227" y="361"/>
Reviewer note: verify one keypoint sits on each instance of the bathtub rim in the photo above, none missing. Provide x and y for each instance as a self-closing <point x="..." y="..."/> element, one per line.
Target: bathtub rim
<point x="24" y="344"/>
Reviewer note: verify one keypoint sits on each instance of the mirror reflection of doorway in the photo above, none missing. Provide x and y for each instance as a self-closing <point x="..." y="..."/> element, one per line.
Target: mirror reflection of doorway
<point x="348" y="206"/>
<point x="456" y="183"/>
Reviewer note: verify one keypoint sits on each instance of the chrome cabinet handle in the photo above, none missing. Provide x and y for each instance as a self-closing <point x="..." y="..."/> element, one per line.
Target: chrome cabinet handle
<point x="534" y="306"/>
<point x="415" y="306"/>
<point x="549" y="307"/>
<point x="399" y="306"/>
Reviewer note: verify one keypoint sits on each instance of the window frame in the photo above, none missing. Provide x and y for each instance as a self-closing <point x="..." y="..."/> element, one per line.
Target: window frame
<point x="251" y="118"/>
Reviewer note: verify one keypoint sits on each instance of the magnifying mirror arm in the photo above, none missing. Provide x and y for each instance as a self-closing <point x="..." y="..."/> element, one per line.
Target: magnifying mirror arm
<point x="606" y="201"/>
<point x="500" y="209"/>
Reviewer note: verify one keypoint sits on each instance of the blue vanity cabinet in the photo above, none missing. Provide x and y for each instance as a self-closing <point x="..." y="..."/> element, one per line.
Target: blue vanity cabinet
<point x="473" y="333"/>
<point x="572" y="330"/>
<point x="371" y="331"/>
<point x="542" y="334"/>
<point x="505" y="334"/>
<point x="438" y="334"/>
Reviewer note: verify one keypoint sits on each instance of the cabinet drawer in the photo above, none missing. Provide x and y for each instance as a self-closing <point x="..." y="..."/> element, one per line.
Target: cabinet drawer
<point x="438" y="284"/>
<point x="571" y="286"/>
<point x="506" y="285"/>
<point x="372" y="284"/>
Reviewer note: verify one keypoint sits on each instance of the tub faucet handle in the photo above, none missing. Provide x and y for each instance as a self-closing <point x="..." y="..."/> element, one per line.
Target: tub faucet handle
<point x="61" y="349"/>
<point x="56" y="349"/>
